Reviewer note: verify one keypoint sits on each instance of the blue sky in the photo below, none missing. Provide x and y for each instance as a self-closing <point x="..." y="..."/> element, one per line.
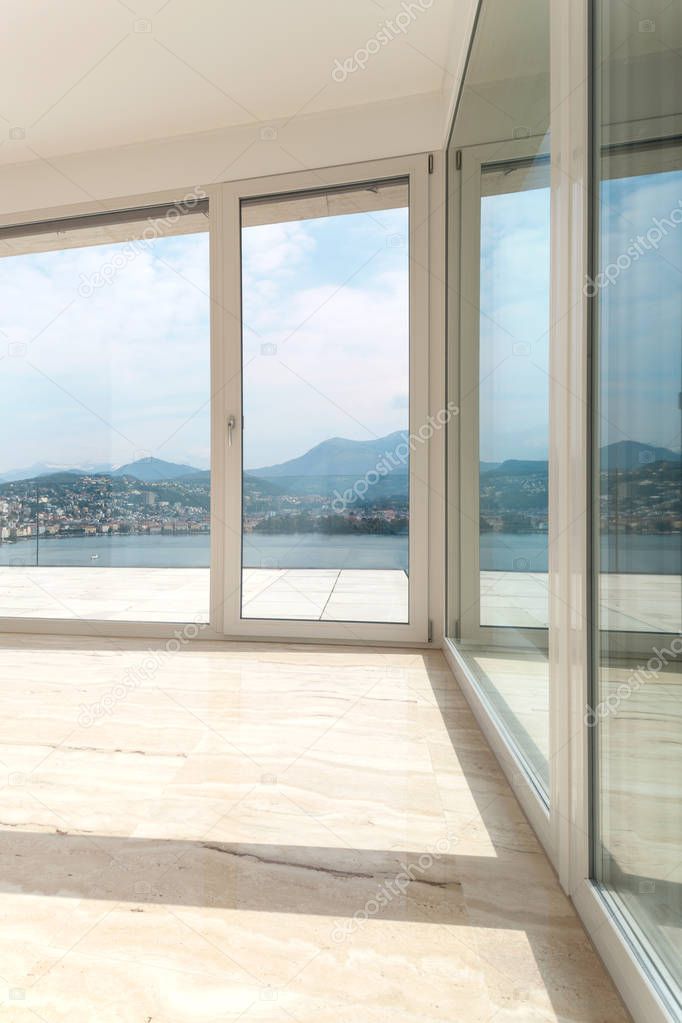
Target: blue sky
<point x="329" y="299"/>
<point x="640" y="317"/>
<point x="641" y="314"/>
<point x="113" y="376"/>
<point x="514" y="347"/>
<point x="124" y="373"/>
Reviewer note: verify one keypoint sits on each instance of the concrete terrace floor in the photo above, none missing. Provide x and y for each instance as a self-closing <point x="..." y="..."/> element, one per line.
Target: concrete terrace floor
<point x="268" y="833"/>
<point x="637" y="603"/>
<point x="182" y="594"/>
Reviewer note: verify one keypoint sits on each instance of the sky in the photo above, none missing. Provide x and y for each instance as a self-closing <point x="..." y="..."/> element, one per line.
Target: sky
<point x="107" y="376"/>
<point x="640" y="319"/>
<point x="326" y="327"/>
<point x="514" y="320"/>
<point x="123" y="372"/>
<point x="641" y="312"/>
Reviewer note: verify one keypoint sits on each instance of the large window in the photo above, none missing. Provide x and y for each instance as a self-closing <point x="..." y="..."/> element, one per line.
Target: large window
<point x="636" y="288"/>
<point x="498" y="353"/>
<point x="105" y="417"/>
<point x="255" y="459"/>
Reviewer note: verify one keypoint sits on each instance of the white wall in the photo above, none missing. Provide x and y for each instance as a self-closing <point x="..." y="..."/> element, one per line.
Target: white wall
<point x="368" y="132"/>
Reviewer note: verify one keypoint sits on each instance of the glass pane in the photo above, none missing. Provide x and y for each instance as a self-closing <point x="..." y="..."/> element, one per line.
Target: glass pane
<point x="326" y="450"/>
<point x="636" y="286"/>
<point x="498" y="353"/>
<point x="514" y="395"/>
<point x="105" y="461"/>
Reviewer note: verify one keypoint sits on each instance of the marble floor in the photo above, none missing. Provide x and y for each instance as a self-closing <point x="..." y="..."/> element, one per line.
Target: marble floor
<point x="639" y="762"/>
<point x="268" y="833"/>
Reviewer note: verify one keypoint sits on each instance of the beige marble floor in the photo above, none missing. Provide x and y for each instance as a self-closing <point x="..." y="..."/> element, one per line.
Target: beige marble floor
<point x="268" y="833"/>
<point x="639" y="763"/>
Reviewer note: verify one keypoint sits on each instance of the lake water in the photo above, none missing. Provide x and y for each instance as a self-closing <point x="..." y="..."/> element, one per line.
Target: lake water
<point x="187" y="551"/>
<point x="510" y="552"/>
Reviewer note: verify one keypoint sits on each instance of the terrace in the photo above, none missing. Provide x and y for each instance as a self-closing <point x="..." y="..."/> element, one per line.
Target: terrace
<point x="518" y="600"/>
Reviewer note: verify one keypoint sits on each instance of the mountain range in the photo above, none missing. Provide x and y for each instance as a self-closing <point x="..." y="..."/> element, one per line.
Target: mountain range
<point x="339" y="459"/>
<point x="150" y="470"/>
<point x="147" y="470"/>
<point x="30" y="472"/>
<point x="630" y="454"/>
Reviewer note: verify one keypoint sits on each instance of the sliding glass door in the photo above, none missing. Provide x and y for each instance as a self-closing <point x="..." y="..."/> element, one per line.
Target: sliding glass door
<point x="265" y="373"/>
<point x="498" y="371"/>
<point x="324" y="409"/>
<point x="504" y="438"/>
<point x="636" y="288"/>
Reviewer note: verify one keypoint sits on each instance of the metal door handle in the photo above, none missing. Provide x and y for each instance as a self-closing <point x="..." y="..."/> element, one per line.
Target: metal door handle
<point x="231" y="423"/>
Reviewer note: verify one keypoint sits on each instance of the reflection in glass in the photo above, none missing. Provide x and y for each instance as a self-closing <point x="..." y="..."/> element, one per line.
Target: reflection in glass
<point x="498" y="350"/>
<point x="514" y="393"/>
<point x="636" y="287"/>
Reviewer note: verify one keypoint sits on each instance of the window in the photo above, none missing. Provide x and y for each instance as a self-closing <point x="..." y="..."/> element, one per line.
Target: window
<point x="635" y="288"/>
<point x="498" y="356"/>
<point x="326" y="399"/>
<point x="105" y="479"/>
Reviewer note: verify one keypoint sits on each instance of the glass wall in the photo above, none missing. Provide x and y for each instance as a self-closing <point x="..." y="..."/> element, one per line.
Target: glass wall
<point x="105" y="477"/>
<point x="636" y="290"/>
<point x="498" y="359"/>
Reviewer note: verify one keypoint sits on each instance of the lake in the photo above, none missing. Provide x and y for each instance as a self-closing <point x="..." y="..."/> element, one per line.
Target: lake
<point x="510" y="552"/>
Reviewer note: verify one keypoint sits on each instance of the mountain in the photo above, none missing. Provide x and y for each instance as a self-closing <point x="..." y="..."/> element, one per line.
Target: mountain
<point x="255" y="487"/>
<point x="65" y="476"/>
<point x="147" y="470"/>
<point x="630" y="454"/>
<point x="196" y="476"/>
<point x="150" y="470"/>
<point x="339" y="456"/>
<point x="47" y="469"/>
<point x="519" y="467"/>
<point x="624" y="455"/>
<point x="336" y="463"/>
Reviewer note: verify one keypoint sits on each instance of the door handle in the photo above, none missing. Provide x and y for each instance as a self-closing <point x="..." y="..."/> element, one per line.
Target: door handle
<point x="231" y="423"/>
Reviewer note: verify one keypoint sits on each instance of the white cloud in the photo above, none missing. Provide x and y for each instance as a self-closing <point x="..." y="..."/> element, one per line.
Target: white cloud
<point x="106" y="376"/>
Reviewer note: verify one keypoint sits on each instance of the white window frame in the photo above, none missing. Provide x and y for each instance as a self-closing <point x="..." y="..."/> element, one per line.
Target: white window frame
<point x="470" y="629"/>
<point x="225" y="343"/>
<point x="97" y="628"/>
<point x="226" y="289"/>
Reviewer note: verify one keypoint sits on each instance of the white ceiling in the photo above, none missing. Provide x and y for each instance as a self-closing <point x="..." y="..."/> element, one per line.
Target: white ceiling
<point x="82" y="75"/>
